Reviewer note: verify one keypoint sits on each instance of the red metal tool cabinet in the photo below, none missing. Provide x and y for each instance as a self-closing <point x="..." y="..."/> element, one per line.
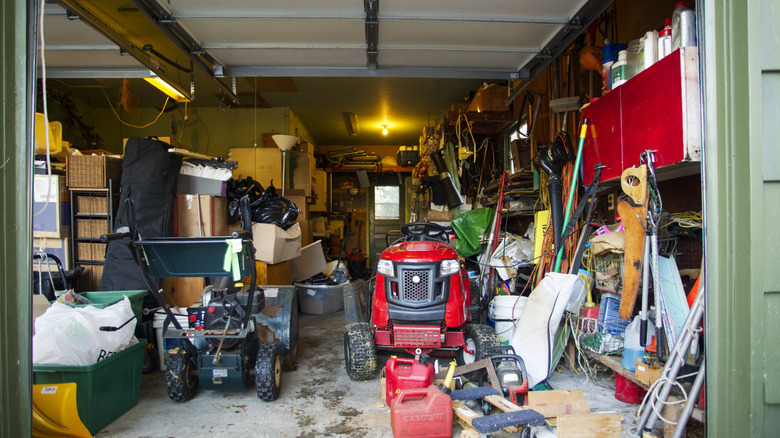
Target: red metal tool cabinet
<point x="657" y="109"/>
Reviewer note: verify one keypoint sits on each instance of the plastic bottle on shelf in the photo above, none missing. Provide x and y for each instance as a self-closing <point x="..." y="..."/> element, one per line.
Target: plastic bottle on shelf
<point x="683" y="27"/>
<point x="665" y="39"/>
<point x="620" y="70"/>
<point x="632" y="349"/>
<point x="632" y="58"/>
<point x="610" y="53"/>
<point x="648" y="51"/>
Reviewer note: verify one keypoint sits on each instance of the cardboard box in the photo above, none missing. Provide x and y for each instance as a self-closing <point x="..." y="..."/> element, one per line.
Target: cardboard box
<point x="319" y="191"/>
<point x="489" y="98"/>
<point x="59" y="248"/>
<point x="197" y="185"/>
<point x="299" y="199"/>
<point x="275" y="245"/>
<point x="647" y="374"/>
<point x="200" y="216"/>
<point x="51" y="206"/>
<point x="311" y="262"/>
<point x="278" y="274"/>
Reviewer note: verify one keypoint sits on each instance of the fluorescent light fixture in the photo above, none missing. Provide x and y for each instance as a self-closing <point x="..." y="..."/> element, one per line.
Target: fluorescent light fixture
<point x="160" y="84"/>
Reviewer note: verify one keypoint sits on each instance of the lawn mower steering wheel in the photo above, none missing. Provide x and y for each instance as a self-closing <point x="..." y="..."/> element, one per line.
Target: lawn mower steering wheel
<point x="424" y="231"/>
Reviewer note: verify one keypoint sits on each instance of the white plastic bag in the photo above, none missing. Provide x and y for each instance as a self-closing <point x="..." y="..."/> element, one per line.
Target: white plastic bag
<point x="71" y="335"/>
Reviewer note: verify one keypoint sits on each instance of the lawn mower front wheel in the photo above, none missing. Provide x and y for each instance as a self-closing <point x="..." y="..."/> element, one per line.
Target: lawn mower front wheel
<point x="359" y="352"/>
<point x="181" y="377"/>
<point x="479" y="338"/>
<point x="268" y="372"/>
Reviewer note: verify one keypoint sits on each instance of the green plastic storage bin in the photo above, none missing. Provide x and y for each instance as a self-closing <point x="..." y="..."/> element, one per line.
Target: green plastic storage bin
<point x="104" y="299"/>
<point x="105" y="390"/>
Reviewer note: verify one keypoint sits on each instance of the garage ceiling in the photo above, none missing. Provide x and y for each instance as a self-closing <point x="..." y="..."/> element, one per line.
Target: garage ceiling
<point x="400" y="62"/>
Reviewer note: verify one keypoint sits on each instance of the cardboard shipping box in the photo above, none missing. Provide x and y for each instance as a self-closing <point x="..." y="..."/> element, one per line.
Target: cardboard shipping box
<point x="489" y="98"/>
<point x="59" y="248"/>
<point x="311" y="262"/>
<point x="200" y="216"/>
<point x="51" y="207"/>
<point x="182" y="291"/>
<point x="275" y="245"/>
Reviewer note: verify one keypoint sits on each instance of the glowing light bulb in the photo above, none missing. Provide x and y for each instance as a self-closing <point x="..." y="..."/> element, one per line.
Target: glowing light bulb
<point x="384" y="129"/>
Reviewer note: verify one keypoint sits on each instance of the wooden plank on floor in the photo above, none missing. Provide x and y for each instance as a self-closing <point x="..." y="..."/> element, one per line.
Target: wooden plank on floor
<point x="464" y="412"/>
<point x="555" y="396"/>
<point x="593" y="425"/>
<point x="549" y="410"/>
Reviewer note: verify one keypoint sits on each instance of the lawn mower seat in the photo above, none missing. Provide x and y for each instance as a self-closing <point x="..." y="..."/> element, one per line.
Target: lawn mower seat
<point x="421" y="231"/>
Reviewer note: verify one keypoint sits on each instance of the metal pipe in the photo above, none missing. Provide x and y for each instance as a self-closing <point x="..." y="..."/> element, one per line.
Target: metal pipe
<point x="693" y="397"/>
<point x="673" y="363"/>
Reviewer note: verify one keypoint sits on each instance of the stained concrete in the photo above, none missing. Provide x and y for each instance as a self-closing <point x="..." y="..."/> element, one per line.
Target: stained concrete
<point x="317" y="400"/>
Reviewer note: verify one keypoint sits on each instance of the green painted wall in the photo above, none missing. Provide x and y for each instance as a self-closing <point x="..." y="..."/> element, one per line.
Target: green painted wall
<point x="742" y="185"/>
<point x="15" y="233"/>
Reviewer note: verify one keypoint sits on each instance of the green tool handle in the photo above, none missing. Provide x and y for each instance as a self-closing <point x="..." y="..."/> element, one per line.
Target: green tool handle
<point x="572" y="188"/>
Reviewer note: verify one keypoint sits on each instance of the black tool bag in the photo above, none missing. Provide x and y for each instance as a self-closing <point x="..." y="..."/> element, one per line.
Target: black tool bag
<point x="149" y="176"/>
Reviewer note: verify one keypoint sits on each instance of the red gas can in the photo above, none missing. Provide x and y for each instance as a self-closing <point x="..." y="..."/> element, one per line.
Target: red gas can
<point x="403" y="373"/>
<point x="424" y="412"/>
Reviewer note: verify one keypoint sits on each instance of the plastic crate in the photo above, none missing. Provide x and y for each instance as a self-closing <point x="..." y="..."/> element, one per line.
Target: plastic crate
<point x="104" y="299"/>
<point x="318" y="299"/>
<point x="105" y="390"/>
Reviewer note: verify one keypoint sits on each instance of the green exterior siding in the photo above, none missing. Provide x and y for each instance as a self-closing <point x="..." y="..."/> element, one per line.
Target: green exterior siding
<point x="15" y="263"/>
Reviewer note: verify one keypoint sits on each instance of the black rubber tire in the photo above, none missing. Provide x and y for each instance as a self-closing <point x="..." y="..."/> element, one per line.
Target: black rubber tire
<point x="481" y="337"/>
<point x="359" y="352"/>
<point x="268" y="372"/>
<point x="151" y="359"/>
<point x="526" y="433"/>
<point x="181" y="377"/>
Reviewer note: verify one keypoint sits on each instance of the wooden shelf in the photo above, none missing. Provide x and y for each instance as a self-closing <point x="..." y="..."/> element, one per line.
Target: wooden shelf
<point x="614" y="363"/>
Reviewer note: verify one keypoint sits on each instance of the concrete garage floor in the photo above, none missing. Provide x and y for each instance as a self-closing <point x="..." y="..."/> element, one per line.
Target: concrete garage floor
<point x="317" y="400"/>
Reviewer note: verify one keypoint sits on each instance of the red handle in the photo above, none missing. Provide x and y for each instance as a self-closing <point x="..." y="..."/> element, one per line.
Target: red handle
<point x="400" y="361"/>
<point x="410" y="393"/>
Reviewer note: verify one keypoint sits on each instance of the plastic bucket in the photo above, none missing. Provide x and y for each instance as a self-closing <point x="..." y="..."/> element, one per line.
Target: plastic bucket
<point x="628" y="391"/>
<point x="163" y="345"/>
<point x="505" y="311"/>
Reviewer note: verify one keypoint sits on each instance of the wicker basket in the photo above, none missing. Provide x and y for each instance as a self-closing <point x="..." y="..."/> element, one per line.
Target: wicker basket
<point x="94" y="171"/>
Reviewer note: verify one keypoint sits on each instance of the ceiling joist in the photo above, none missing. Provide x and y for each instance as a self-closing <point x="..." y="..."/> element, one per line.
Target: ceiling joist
<point x="372" y="32"/>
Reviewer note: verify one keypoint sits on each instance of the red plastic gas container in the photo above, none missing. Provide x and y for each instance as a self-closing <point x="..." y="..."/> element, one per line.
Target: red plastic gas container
<point x="403" y="373"/>
<point x="421" y="413"/>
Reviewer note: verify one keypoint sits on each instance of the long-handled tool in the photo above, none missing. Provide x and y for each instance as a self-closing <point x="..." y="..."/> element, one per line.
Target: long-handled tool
<point x="658" y="396"/>
<point x="572" y="189"/>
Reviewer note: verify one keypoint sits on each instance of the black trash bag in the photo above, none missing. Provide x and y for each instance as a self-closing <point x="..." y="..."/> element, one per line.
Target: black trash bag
<point x="272" y="208"/>
<point x="237" y="189"/>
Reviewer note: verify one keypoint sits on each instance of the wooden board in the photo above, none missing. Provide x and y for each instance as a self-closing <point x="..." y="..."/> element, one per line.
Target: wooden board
<point x="594" y="425"/>
<point x="555" y="396"/>
<point x="549" y="410"/>
<point x="464" y="412"/>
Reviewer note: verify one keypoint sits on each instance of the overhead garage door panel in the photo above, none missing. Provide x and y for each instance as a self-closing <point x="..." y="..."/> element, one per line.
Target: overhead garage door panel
<point x="265" y="8"/>
<point x="249" y="33"/>
<point x="311" y="58"/>
<point x="484" y="35"/>
<point x="452" y="58"/>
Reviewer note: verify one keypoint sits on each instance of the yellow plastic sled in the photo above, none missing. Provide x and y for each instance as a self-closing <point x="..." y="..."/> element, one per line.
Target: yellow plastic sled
<point x="55" y="413"/>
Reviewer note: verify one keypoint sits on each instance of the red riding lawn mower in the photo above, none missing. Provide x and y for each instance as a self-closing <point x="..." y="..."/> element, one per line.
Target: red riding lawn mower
<point x="420" y="305"/>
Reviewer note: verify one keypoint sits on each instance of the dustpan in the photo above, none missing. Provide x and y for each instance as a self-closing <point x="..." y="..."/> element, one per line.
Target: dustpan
<point x="55" y="413"/>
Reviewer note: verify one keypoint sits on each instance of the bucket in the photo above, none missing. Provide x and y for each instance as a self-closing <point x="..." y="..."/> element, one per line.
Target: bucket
<point x="628" y="391"/>
<point x="502" y="310"/>
<point x="163" y="345"/>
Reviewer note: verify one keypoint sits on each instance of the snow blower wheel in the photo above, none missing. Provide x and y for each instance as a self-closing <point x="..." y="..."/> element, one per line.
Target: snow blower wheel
<point x="181" y="377"/>
<point x="268" y="372"/>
